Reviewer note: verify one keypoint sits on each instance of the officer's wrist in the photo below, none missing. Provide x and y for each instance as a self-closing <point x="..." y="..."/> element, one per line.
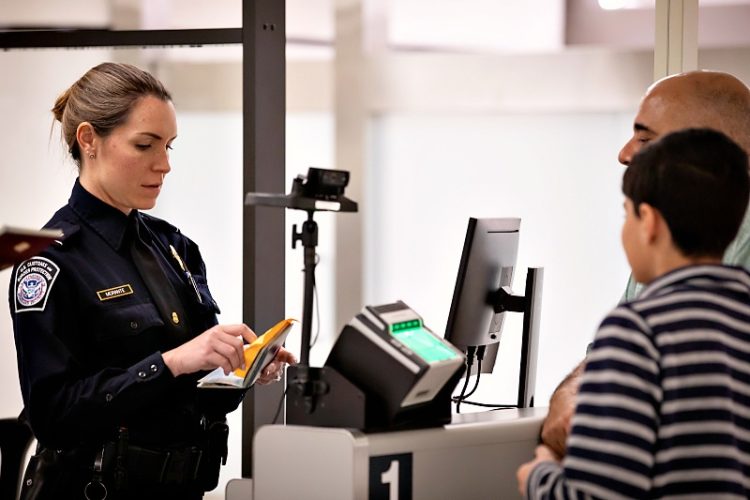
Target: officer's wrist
<point x="171" y="361"/>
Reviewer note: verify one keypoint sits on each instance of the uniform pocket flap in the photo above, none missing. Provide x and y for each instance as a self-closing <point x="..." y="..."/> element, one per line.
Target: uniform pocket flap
<point x="128" y="320"/>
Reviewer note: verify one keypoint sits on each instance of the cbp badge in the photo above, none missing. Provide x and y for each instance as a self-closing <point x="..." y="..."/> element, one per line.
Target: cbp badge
<point x="34" y="280"/>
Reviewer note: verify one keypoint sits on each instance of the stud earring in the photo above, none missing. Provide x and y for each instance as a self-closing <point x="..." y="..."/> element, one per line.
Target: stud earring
<point x="92" y="155"/>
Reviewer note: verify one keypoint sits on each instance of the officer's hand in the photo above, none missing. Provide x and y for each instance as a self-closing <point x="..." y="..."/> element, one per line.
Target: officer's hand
<point x="220" y="346"/>
<point x="273" y="372"/>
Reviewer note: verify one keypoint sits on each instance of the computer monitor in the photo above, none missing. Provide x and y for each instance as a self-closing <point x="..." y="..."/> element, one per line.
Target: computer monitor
<point x="487" y="262"/>
<point x="482" y="297"/>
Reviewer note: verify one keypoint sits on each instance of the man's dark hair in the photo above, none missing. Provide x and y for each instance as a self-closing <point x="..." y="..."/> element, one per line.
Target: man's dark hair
<point x="698" y="180"/>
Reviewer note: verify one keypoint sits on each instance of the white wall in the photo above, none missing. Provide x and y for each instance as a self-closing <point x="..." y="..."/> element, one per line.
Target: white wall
<point x="491" y="25"/>
<point x="73" y="13"/>
<point x="35" y="178"/>
<point x="428" y="172"/>
<point x="558" y="172"/>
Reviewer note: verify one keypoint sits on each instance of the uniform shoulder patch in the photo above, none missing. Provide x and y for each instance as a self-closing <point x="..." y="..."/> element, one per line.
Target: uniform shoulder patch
<point x="33" y="280"/>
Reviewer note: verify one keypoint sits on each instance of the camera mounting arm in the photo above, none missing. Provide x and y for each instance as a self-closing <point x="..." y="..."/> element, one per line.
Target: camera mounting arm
<point x="320" y="190"/>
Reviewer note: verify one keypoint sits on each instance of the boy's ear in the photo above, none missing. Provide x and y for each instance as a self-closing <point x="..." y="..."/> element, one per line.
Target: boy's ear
<point x="650" y="222"/>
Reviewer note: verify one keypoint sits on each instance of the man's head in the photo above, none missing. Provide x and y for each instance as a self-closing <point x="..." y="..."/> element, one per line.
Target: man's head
<point x="697" y="99"/>
<point x="686" y="192"/>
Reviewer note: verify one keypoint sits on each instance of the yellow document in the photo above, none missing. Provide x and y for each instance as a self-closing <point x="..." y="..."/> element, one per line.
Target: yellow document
<point x="258" y="355"/>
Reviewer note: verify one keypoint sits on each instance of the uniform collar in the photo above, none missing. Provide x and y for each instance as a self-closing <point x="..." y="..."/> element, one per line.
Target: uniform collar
<point x="104" y="219"/>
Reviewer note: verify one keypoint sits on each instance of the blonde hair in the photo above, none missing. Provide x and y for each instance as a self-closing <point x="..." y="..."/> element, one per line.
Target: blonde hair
<point x="103" y="97"/>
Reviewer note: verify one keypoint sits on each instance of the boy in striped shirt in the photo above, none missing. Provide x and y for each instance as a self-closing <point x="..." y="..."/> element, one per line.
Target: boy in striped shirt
<point x="664" y="404"/>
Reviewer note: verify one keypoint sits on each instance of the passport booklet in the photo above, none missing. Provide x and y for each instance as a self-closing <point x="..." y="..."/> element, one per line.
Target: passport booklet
<point x="258" y="355"/>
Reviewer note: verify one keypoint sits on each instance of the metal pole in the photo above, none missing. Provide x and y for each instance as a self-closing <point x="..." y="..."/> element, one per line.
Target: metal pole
<point x="264" y="115"/>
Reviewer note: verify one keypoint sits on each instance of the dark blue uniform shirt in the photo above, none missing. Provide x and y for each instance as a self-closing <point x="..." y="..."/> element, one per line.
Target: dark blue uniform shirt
<point x="89" y="337"/>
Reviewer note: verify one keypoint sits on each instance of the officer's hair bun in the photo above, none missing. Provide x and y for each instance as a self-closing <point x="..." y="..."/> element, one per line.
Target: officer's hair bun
<point x="60" y="104"/>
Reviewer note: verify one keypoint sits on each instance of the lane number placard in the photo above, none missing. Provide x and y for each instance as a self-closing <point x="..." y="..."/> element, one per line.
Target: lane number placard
<point x="391" y="477"/>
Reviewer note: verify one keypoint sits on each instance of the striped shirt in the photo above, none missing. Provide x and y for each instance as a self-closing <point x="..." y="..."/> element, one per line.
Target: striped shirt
<point x="664" y="404"/>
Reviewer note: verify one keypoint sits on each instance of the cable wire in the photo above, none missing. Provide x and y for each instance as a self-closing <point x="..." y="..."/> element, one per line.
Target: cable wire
<point x="476" y="382"/>
<point x="463" y="398"/>
<point x="470" y="351"/>
<point x="278" y="408"/>
<point x="489" y="405"/>
<point x="480" y="357"/>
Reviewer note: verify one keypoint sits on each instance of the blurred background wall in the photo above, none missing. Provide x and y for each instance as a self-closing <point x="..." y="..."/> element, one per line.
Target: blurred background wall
<point x="442" y="110"/>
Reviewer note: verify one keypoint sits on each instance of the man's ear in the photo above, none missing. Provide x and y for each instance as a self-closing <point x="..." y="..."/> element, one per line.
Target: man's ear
<point x="651" y="222"/>
<point x="86" y="138"/>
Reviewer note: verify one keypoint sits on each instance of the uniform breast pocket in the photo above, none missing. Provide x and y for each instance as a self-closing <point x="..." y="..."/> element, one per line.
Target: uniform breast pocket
<point x="127" y="320"/>
<point x="128" y="332"/>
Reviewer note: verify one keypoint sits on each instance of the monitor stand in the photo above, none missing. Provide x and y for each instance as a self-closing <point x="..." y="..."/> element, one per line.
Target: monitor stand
<point x="532" y="311"/>
<point x="530" y="304"/>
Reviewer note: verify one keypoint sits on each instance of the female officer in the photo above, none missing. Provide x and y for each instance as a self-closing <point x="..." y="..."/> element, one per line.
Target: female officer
<point x="115" y="323"/>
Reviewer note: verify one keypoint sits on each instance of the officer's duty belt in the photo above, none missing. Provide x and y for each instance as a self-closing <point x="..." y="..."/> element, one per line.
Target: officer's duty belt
<point x="153" y="466"/>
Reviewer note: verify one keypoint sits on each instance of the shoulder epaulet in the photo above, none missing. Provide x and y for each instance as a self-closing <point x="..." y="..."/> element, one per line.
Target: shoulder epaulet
<point x="69" y="229"/>
<point x="67" y="221"/>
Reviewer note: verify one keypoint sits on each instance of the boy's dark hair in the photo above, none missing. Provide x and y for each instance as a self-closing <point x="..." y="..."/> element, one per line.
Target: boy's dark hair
<point x="698" y="180"/>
